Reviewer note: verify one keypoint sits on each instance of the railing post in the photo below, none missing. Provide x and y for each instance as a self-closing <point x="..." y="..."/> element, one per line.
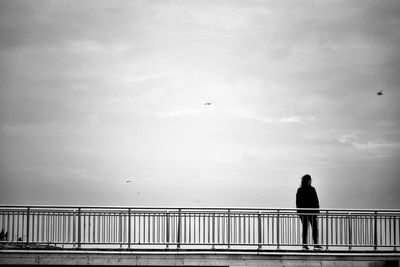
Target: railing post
<point x="278" y="230"/>
<point x="350" y="231"/>
<point x="179" y="229"/>
<point x="213" y="231"/>
<point x="129" y="228"/>
<point x="229" y="229"/>
<point x="167" y="230"/>
<point x="395" y="233"/>
<point x="259" y="230"/>
<point x="120" y="229"/>
<point x="79" y="227"/>
<point x="327" y="228"/>
<point x="27" y="224"/>
<point x="375" y="230"/>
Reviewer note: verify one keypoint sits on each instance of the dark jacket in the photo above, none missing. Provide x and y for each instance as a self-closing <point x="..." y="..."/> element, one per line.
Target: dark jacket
<point x="306" y="197"/>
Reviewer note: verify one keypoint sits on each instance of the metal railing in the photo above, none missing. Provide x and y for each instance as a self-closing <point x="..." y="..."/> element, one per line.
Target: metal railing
<point x="202" y="228"/>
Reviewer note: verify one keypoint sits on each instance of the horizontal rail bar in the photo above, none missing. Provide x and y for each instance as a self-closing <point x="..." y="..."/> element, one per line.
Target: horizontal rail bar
<point x="190" y="208"/>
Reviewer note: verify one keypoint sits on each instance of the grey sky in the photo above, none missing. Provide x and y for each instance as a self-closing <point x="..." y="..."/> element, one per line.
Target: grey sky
<point x="94" y="93"/>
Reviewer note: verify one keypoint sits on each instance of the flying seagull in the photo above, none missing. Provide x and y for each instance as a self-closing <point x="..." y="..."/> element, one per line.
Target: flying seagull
<point x="380" y="92"/>
<point x="129" y="181"/>
<point x="208" y="103"/>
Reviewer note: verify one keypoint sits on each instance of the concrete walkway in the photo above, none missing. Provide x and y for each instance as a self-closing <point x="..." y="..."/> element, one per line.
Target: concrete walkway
<point x="198" y="258"/>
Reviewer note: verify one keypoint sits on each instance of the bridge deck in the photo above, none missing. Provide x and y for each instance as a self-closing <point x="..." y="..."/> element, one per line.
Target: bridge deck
<point x="197" y="258"/>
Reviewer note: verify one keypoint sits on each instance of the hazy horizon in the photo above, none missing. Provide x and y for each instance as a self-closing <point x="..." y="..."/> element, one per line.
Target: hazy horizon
<point x="97" y="93"/>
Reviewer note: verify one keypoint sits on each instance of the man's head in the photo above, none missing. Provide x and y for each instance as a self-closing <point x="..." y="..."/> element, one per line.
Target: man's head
<point x="306" y="180"/>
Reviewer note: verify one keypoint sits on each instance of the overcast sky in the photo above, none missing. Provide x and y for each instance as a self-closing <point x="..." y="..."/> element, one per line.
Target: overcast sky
<point x="96" y="93"/>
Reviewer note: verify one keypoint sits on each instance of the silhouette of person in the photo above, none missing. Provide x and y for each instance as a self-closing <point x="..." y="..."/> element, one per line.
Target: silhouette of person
<point x="2" y="235"/>
<point x="306" y="197"/>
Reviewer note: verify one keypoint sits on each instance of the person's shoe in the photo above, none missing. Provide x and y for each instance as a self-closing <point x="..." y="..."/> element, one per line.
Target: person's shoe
<point x="318" y="248"/>
<point x="305" y="248"/>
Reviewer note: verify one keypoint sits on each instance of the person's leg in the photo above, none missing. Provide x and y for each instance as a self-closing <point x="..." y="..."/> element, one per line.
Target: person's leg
<point x="304" y="221"/>
<point x="314" y="226"/>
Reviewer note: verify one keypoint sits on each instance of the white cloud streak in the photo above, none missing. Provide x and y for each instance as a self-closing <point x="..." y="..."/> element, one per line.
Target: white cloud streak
<point x="179" y="113"/>
<point x="283" y="120"/>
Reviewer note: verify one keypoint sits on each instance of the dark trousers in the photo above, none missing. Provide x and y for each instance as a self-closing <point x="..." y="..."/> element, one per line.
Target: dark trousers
<point x="309" y="219"/>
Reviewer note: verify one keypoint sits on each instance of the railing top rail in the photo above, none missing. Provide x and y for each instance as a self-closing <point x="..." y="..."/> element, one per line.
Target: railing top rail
<point x="188" y="209"/>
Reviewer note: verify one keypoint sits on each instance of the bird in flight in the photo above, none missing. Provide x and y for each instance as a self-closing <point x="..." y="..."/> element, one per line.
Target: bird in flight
<point x="380" y="92"/>
<point x="129" y="181"/>
<point x="208" y="103"/>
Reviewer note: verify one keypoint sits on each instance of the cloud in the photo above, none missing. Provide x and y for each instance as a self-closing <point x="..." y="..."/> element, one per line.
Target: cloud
<point x="370" y="145"/>
<point x="179" y="113"/>
<point x="93" y="46"/>
<point x="361" y="143"/>
<point x="284" y="119"/>
<point x="366" y="144"/>
<point x="294" y="119"/>
<point x="144" y="77"/>
<point x="348" y="139"/>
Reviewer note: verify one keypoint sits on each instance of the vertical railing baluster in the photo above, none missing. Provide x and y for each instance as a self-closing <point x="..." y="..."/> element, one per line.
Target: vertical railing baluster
<point x="375" y="230"/>
<point x="327" y="229"/>
<point x="395" y="233"/>
<point x="229" y="229"/>
<point x="213" y="231"/>
<point x="64" y="228"/>
<point x="350" y="231"/>
<point x="28" y="225"/>
<point x="149" y="228"/>
<point x="84" y="227"/>
<point x="8" y="222"/>
<point x="154" y="224"/>
<point x="33" y="228"/>
<point x="94" y="227"/>
<point x="129" y="228"/>
<point x="11" y="237"/>
<point x="278" y="229"/>
<point x="240" y="216"/>
<point x="259" y="230"/>
<point x="204" y="228"/>
<point x="120" y="230"/>
<point x="18" y="215"/>
<point x="139" y="217"/>
<point x="79" y="227"/>
<point x="167" y="230"/>
<point x="390" y="230"/>
<point x="179" y="230"/>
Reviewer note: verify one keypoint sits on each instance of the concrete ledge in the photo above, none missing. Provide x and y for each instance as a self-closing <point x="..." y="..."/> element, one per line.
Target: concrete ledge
<point x="190" y="258"/>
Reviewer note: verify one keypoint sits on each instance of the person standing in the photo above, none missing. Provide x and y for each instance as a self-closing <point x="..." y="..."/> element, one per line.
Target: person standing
<point x="306" y="197"/>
